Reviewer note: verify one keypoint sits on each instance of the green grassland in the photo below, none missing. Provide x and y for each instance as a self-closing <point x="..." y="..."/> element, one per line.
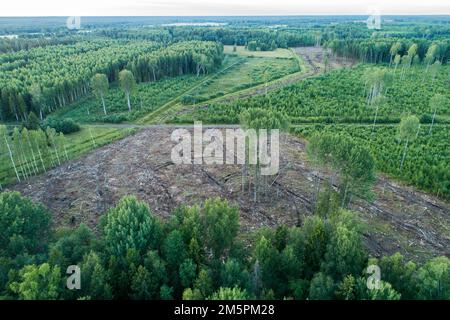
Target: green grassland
<point x="247" y="73"/>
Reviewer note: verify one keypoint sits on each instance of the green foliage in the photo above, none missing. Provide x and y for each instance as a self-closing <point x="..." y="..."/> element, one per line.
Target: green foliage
<point x="434" y="279"/>
<point x="62" y="72"/>
<point x="258" y="119"/>
<point x="233" y="274"/>
<point x="157" y="276"/>
<point x="188" y="271"/>
<point x="408" y="128"/>
<point x="346" y="289"/>
<point x="344" y="252"/>
<point x="32" y="122"/>
<point x="41" y="282"/>
<point x="229" y="294"/>
<point x="24" y="226"/>
<point x="351" y="162"/>
<point x="141" y="287"/>
<point x="64" y="126"/>
<point x="315" y="237"/>
<point x="322" y="287"/>
<point x="379" y="50"/>
<point x="37" y="151"/>
<point x="174" y="252"/>
<point x="71" y="246"/>
<point x="425" y="167"/>
<point x="146" y="97"/>
<point x="139" y="258"/>
<point x="340" y="96"/>
<point x="166" y="293"/>
<point x="131" y="225"/>
<point x="38" y="73"/>
<point x="220" y="224"/>
<point x="189" y="294"/>
<point x="126" y="80"/>
<point x="400" y="274"/>
<point x="204" y="283"/>
<point x="100" y="84"/>
<point x="94" y="278"/>
<point x="384" y="292"/>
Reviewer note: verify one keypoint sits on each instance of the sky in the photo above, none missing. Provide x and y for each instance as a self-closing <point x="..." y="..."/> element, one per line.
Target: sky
<point x="219" y="7"/>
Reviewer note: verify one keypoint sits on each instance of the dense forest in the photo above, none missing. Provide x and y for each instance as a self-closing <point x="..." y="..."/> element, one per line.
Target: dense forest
<point x="387" y="50"/>
<point x="35" y="81"/>
<point x="198" y="254"/>
<point x="260" y="39"/>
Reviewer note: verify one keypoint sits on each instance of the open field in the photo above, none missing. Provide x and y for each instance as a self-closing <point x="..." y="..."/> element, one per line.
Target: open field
<point x="400" y="219"/>
<point x="250" y="72"/>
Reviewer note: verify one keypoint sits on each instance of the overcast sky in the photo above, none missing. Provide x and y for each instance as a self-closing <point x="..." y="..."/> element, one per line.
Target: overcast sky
<point x="217" y="7"/>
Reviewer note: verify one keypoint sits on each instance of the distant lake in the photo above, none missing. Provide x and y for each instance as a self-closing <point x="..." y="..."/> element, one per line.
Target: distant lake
<point x="9" y="36"/>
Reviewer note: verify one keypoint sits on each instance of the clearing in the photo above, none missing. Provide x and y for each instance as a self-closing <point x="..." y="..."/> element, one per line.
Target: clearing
<point x="400" y="219"/>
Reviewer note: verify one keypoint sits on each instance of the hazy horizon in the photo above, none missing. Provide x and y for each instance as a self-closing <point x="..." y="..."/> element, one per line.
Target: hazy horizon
<point x="198" y="8"/>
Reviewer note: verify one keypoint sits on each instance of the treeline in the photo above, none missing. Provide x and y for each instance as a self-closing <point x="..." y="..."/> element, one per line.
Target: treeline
<point x="195" y="57"/>
<point x="264" y="38"/>
<point x="196" y="254"/>
<point x="44" y="79"/>
<point x="384" y="50"/>
<point x="8" y="45"/>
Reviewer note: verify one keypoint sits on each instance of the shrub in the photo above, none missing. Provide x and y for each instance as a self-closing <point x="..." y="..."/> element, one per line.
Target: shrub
<point x="64" y="126"/>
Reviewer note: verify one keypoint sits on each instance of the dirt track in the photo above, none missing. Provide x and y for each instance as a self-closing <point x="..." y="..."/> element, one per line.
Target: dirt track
<point x="81" y="190"/>
<point x="313" y="56"/>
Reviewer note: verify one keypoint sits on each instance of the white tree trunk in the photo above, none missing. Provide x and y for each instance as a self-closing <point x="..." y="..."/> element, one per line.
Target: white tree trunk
<point x="104" y="106"/>
<point x="404" y="154"/>
<point x="12" y="159"/>
<point x="128" y="101"/>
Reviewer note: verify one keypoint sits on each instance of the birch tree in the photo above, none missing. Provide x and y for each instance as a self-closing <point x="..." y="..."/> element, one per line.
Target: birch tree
<point x="127" y="83"/>
<point x="4" y="137"/>
<point x="395" y="48"/>
<point x="100" y="87"/>
<point x="437" y="101"/>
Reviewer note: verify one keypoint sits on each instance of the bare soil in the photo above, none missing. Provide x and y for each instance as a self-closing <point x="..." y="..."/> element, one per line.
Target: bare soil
<point x="400" y="219"/>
